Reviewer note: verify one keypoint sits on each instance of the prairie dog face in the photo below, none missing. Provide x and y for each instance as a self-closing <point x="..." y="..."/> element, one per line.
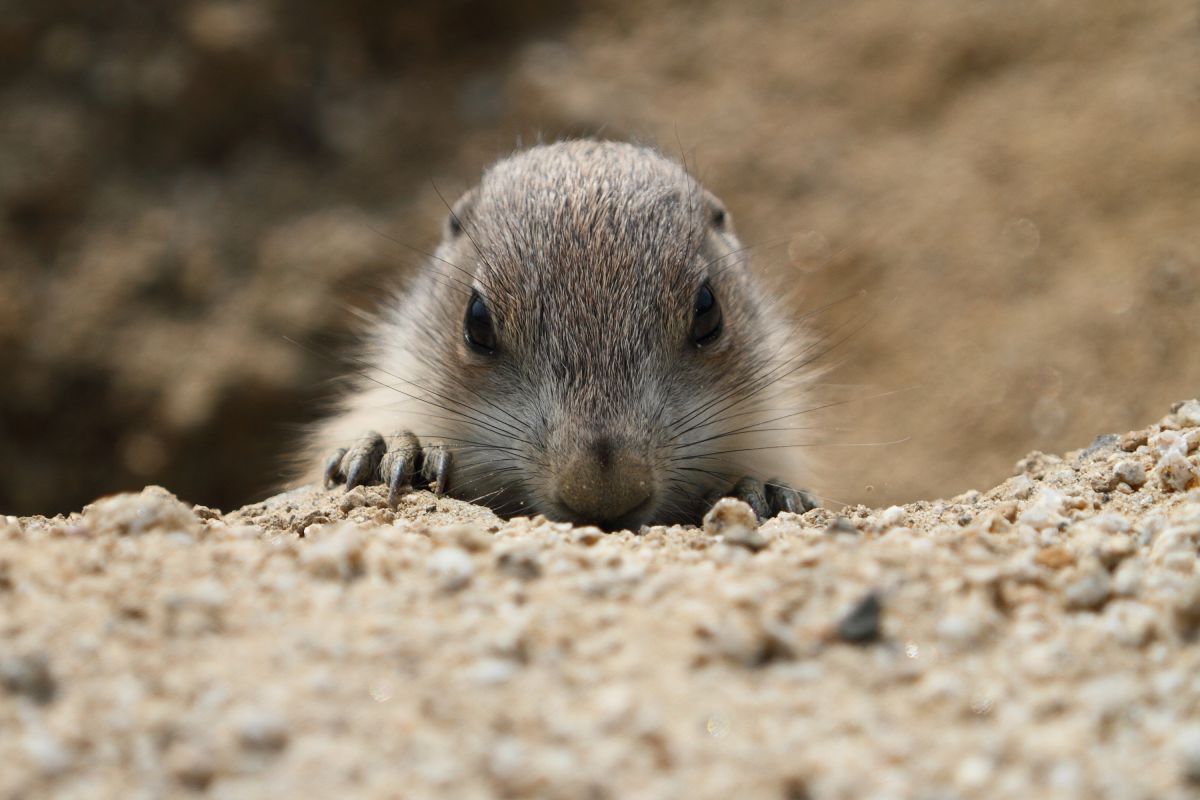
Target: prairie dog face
<point x="586" y="343"/>
<point x="610" y="322"/>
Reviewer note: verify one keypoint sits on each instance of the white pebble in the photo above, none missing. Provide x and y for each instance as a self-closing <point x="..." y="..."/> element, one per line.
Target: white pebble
<point x="892" y="516"/>
<point x="259" y="729"/>
<point x="1175" y="472"/>
<point x="735" y="522"/>
<point x="974" y="772"/>
<point x="1089" y="590"/>
<point x="1045" y="511"/>
<point x="1189" y="414"/>
<point x="1188" y="747"/>
<point x="1020" y="487"/>
<point x="1131" y="624"/>
<point x="47" y="752"/>
<point x="336" y="553"/>
<point x="1131" y="473"/>
<point x="492" y="671"/>
<point x="1168" y="441"/>
<point x="452" y="567"/>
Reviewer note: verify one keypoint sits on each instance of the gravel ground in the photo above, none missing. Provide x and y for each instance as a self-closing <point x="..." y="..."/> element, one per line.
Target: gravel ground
<point x="1037" y="639"/>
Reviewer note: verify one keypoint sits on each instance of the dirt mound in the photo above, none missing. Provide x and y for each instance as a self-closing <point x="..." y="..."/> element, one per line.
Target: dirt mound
<point x="1036" y="638"/>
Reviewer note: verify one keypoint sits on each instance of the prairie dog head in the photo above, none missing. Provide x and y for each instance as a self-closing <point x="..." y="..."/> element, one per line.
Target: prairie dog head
<point x="603" y="354"/>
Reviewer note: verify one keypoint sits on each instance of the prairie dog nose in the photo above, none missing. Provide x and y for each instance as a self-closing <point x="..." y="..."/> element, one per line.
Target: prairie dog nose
<point x="604" y="483"/>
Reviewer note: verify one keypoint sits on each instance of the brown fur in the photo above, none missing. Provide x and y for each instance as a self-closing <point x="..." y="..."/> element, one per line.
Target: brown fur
<point x="589" y="255"/>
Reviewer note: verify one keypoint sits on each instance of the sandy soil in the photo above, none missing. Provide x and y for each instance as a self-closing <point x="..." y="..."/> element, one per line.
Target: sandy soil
<point x="1036" y="639"/>
<point x="186" y="187"/>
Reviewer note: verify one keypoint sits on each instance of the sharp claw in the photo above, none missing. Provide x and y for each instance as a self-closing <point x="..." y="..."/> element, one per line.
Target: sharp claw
<point x="364" y="460"/>
<point x="397" y="477"/>
<point x="781" y="497"/>
<point x="399" y="463"/>
<point x="441" y="471"/>
<point x="436" y="467"/>
<point x="398" y="472"/>
<point x="357" y="473"/>
<point x="332" y="465"/>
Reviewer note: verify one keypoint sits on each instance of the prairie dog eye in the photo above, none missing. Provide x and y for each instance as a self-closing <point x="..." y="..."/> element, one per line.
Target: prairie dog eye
<point x="706" y="324"/>
<point x="478" y="329"/>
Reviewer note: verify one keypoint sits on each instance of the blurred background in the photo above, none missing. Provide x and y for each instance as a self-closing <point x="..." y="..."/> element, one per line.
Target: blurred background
<point x="186" y="187"/>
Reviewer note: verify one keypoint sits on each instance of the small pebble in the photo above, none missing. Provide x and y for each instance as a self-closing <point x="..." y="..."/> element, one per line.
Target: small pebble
<point x="193" y="767"/>
<point x="892" y="516"/>
<point x="1045" y="511"/>
<point x="735" y="522"/>
<point x="334" y="552"/>
<point x="587" y="535"/>
<point x="452" y="567"/>
<point x="1186" y="611"/>
<point x="841" y="525"/>
<point x="135" y="514"/>
<point x="30" y="676"/>
<point x="1175" y="471"/>
<point x="861" y="625"/>
<point x="1133" y="440"/>
<point x="492" y="671"/>
<point x="520" y="561"/>
<point x="468" y="537"/>
<point x="261" y="730"/>
<point x="1021" y="487"/>
<point x="1131" y="473"/>
<point x="1188" y="414"/>
<point x="1054" y="557"/>
<point x="1090" y="590"/>
<point x="46" y="752"/>
<point x="1188" y="746"/>
<point x="1130" y="623"/>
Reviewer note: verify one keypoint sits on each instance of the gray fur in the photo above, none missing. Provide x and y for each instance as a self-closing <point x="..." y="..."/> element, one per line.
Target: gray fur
<point x="589" y="255"/>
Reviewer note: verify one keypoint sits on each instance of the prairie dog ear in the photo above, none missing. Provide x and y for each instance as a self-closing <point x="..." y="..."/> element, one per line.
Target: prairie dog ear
<point x="718" y="217"/>
<point x="460" y="214"/>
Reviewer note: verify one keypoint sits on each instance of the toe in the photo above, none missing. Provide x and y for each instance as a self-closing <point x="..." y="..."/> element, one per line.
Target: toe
<point x="781" y="497"/>
<point x="399" y="464"/>
<point x="361" y="463"/>
<point x="333" y="468"/>
<point x="436" y="467"/>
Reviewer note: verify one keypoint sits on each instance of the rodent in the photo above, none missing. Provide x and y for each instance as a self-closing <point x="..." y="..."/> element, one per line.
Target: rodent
<point x="588" y="343"/>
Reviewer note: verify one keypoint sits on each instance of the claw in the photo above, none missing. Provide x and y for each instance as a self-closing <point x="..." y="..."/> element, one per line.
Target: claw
<point x="333" y="467"/>
<point x="750" y="490"/>
<point x="781" y="497"/>
<point x="436" y="467"/>
<point x="363" y="460"/>
<point x="399" y="464"/>
<point x="766" y="499"/>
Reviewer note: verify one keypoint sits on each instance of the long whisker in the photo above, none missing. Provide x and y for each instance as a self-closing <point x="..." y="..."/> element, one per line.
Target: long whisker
<point x="502" y="431"/>
<point x="497" y="426"/>
<point x="789" y="446"/>
<point x="743" y="392"/>
<point x="755" y="427"/>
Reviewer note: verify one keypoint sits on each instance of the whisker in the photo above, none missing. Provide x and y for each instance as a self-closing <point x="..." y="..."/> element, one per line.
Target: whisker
<point x="755" y="429"/>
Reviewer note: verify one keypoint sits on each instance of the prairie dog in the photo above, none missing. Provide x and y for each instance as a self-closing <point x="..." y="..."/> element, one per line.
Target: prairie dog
<point x="588" y="343"/>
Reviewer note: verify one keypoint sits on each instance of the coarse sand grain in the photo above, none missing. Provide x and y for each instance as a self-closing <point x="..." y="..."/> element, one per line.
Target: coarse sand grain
<point x="1036" y="639"/>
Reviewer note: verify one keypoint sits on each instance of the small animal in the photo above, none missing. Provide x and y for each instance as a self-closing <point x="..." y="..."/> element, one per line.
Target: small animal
<point x="587" y="342"/>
